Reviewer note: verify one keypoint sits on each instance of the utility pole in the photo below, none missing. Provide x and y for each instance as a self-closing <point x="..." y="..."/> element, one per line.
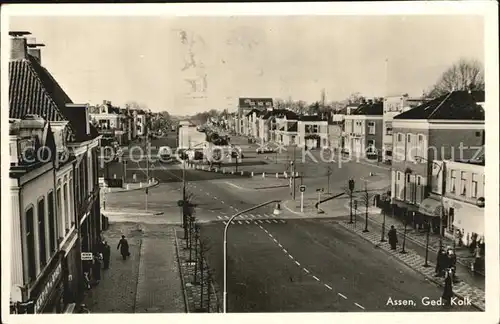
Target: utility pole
<point x="293" y="173"/>
<point x="147" y="162"/>
<point x="328" y="174"/>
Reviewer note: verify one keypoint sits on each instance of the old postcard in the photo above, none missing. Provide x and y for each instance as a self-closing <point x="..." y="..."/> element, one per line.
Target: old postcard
<point x="251" y="159"/>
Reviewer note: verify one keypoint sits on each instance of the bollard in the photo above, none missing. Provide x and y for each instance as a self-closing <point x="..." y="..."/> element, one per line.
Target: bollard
<point x="140" y="184"/>
<point x="277" y="175"/>
<point x="251" y="174"/>
<point x="224" y="171"/>
<point x="128" y="186"/>
<point x="232" y="172"/>
<point x="114" y="176"/>
<point x="241" y="172"/>
<point x="286" y="176"/>
<point x="263" y="174"/>
<point x="297" y="174"/>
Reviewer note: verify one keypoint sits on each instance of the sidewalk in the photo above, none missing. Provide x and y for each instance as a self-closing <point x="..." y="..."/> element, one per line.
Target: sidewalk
<point x="148" y="281"/>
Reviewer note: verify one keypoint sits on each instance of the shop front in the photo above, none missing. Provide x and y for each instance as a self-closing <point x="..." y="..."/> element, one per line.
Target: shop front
<point x="467" y="220"/>
<point x="432" y="211"/>
<point x="48" y="293"/>
<point x="72" y="269"/>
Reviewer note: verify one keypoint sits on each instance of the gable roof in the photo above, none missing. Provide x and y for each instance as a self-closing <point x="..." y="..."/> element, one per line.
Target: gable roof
<point x="253" y="111"/>
<point x="456" y="105"/>
<point x="33" y="90"/>
<point x="290" y="115"/>
<point x="369" y="109"/>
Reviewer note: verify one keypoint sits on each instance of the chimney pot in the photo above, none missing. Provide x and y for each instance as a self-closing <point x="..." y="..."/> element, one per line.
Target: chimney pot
<point x="18" y="50"/>
<point x="36" y="53"/>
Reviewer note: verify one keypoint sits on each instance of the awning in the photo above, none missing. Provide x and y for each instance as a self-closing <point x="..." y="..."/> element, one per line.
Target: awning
<point x="430" y="207"/>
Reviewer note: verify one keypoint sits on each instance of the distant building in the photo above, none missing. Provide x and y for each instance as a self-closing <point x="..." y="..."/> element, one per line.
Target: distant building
<point x="245" y="105"/>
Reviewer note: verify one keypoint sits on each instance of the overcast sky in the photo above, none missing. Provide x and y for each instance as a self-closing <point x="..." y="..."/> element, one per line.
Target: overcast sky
<point x="141" y="58"/>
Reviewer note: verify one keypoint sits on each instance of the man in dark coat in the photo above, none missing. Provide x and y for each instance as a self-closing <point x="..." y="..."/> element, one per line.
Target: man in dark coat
<point x="441" y="262"/>
<point x="393" y="237"/>
<point x="123" y="246"/>
<point x="448" y="287"/>
<point x="106" y="254"/>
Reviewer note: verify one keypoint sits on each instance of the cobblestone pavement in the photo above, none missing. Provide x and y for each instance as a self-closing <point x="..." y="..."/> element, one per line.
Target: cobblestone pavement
<point x="416" y="262"/>
<point x="210" y="300"/>
<point x="148" y="281"/>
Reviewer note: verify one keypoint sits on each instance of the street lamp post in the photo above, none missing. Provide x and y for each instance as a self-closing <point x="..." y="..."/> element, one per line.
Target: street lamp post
<point x="426" y="264"/>
<point x="355" y="212"/>
<point x="225" y="244"/>
<point x="382" y="238"/>
<point x="403" y="251"/>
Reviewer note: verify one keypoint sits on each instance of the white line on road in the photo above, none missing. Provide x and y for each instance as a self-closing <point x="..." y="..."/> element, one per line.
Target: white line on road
<point x="281" y="246"/>
<point x="317" y="279"/>
<point x="222" y="202"/>
<point x="247" y="222"/>
<point x="275" y="221"/>
<point x="342" y="295"/>
<point x="239" y="222"/>
<point x="328" y="287"/>
<point x="359" y="305"/>
<point x="297" y="263"/>
<point x="282" y="221"/>
<point x="306" y="270"/>
<point x="226" y="217"/>
<point x="268" y="221"/>
<point x="260" y="221"/>
<point x="252" y="215"/>
<point x="270" y="235"/>
<point x="290" y="256"/>
<point x="275" y="241"/>
<point x="219" y="217"/>
<point x="286" y="252"/>
<point x="224" y="223"/>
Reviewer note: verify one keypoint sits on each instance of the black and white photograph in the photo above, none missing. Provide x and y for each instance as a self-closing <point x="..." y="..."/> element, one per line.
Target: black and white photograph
<point x="222" y="161"/>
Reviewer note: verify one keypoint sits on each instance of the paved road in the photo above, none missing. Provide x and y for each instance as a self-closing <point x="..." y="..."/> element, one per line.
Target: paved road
<point x="309" y="266"/>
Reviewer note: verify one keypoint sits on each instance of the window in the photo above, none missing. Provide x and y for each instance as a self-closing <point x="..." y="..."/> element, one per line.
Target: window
<point x="388" y="131"/>
<point x="400" y="137"/>
<point x="371" y="128"/>
<point x="474" y="186"/>
<point x="420" y="139"/>
<point x="453" y="181"/>
<point x="463" y="183"/>
<point x="30" y="244"/>
<point x="420" y="190"/>
<point x="408" y="138"/>
<point x="52" y="223"/>
<point x="312" y="129"/>
<point x="65" y="201"/>
<point x="41" y="232"/>
<point x="397" y="185"/>
<point x="478" y="134"/>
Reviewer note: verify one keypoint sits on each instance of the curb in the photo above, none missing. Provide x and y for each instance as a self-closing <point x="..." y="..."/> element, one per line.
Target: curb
<point x="186" y="303"/>
<point x="155" y="184"/>
<point x="431" y="265"/>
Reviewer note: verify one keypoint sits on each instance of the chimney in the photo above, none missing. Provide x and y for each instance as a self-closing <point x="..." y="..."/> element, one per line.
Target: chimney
<point x="18" y="50"/>
<point x="34" y="49"/>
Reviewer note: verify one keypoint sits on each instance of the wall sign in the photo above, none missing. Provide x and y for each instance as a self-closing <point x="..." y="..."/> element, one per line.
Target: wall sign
<point x="42" y="297"/>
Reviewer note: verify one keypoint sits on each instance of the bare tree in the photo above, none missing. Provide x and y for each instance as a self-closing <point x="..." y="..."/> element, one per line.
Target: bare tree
<point x="365" y="199"/>
<point x="204" y="247"/>
<point x="466" y="74"/>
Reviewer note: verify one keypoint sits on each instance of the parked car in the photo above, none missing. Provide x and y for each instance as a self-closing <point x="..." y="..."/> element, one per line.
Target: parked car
<point x="262" y="150"/>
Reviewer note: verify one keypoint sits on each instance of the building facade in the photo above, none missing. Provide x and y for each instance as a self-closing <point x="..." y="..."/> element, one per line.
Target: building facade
<point x="363" y="131"/>
<point x="70" y="209"/>
<point x="450" y="127"/>
<point x="312" y="132"/>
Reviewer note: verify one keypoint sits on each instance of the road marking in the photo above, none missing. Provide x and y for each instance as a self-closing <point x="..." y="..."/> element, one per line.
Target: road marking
<point x="270" y="235"/>
<point x="359" y="305"/>
<point x="219" y="217"/>
<point x="281" y="246"/>
<point x="252" y="215"/>
<point x="222" y="202"/>
<point x="226" y="217"/>
<point x="266" y="231"/>
<point x="297" y="263"/>
<point x="328" y="287"/>
<point x="282" y="221"/>
<point x="224" y="223"/>
<point x="342" y="295"/>
<point x="260" y="221"/>
<point x="306" y="270"/>
<point x="275" y="241"/>
<point x="291" y="257"/>
<point x="317" y="279"/>
<point x="275" y="221"/>
<point x="268" y="221"/>
<point x="208" y="194"/>
<point x="254" y="222"/>
<point x="239" y="222"/>
<point x="247" y="222"/>
<point x="285" y="251"/>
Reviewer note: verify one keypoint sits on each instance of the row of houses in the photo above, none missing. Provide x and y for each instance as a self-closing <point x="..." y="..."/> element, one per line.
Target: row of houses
<point x="53" y="183"/>
<point x="122" y="125"/>
<point x="435" y="149"/>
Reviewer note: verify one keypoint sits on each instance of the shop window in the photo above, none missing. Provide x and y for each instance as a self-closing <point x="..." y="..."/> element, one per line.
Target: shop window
<point x="52" y="225"/>
<point x="30" y="245"/>
<point x="453" y="181"/>
<point x="474" y="186"/>
<point x="463" y="183"/>
<point x="41" y="233"/>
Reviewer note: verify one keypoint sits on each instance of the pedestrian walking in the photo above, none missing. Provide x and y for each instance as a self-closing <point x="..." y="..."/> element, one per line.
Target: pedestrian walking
<point x="96" y="269"/>
<point x="448" y="287"/>
<point x="123" y="246"/>
<point x="452" y="263"/>
<point x="393" y="237"/>
<point x="106" y="255"/>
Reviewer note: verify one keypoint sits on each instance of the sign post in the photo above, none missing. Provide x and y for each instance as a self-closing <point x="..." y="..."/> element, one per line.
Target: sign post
<point x="302" y="189"/>
<point x="319" y="191"/>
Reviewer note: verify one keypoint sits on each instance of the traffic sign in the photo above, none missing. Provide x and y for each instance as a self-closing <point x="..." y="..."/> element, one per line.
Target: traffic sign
<point x="302" y="188"/>
<point x="320" y="189"/>
<point x="87" y="256"/>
